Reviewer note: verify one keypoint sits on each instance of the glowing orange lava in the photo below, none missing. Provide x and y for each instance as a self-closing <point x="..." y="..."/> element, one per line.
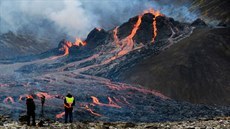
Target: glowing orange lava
<point x="58" y="116"/>
<point x="8" y="99"/>
<point x="67" y="45"/>
<point x="79" y="42"/>
<point x="111" y="103"/>
<point x="39" y="94"/>
<point x="115" y="37"/>
<point x="156" y="14"/>
<point x="91" y="111"/>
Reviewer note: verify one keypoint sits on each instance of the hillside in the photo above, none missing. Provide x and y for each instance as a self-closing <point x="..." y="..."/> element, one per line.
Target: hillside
<point x="212" y="9"/>
<point x="195" y="69"/>
<point x="15" y="45"/>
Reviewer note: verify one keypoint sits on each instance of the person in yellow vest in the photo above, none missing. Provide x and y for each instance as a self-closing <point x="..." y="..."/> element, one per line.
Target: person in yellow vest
<point x="69" y="102"/>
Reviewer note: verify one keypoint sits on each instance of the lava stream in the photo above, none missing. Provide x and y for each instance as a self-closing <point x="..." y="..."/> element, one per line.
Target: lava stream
<point x="79" y="42"/>
<point x="111" y="103"/>
<point x="67" y="45"/>
<point x="8" y="99"/>
<point x="115" y="37"/>
<point x="60" y="115"/>
<point x="91" y="111"/>
<point x="47" y="96"/>
<point x="156" y="14"/>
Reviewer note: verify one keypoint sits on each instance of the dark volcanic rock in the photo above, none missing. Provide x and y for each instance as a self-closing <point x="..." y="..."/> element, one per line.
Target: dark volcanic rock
<point x="14" y="45"/>
<point x="96" y="37"/>
<point x="196" y="69"/>
<point x="125" y="29"/>
<point x="198" y="23"/>
<point x="145" y="32"/>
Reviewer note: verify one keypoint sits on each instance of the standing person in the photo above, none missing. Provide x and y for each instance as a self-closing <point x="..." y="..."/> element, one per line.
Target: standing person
<point x="69" y="102"/>
<point x="30" y="110"/>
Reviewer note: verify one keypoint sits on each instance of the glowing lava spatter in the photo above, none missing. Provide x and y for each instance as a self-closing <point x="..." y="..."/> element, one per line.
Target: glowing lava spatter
<point x="79" y="42"/>
<point x="67" y="45"/>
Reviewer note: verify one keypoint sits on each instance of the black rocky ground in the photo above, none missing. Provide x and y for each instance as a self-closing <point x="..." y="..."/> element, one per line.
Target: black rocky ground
<point x="216" y="123"/>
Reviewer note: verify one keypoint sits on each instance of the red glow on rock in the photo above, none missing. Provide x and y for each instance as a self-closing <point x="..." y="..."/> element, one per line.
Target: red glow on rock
<point x="111" y="102"/>
<point x="60" y="115"/>
<point x="79" y="42"/>
<point x="40" y="94"/>
<point x="115" y="37"/>
<point x="8" y="99"/>
<point x="91" y="111"/>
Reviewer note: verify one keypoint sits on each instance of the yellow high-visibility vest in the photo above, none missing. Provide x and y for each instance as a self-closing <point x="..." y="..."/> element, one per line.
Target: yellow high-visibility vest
<point x="69" y="100"/>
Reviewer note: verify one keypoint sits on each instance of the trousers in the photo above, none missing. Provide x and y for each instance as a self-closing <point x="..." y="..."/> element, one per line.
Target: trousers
<point x="31" y="114"/>
<point x="68" y="114"/>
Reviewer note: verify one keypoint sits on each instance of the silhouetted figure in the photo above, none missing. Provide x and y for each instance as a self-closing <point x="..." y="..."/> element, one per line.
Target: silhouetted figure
<point x="69" y="102"/>
<point x="30" y="110"/>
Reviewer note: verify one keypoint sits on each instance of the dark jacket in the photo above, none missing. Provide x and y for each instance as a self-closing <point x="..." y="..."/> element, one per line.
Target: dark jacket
<point x="69" y="96"/>
<point x="30" y="105"/>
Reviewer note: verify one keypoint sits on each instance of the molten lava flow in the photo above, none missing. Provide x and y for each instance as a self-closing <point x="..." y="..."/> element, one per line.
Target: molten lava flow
<point x="91" y="111"/>
<point x="135" y="28"/>
<point x="128" y="43"/>
<point x="79" y="42"/>
<point x="58" y="116"/>
<point x="123" y="87"/>
<point x="8" y="99"/>
<point x="115" y="37"/>
<point x="40" y="94"/>
<point x="111" y="103"/>
<point x="156" y="14"/>
<point x="67" y="45"/>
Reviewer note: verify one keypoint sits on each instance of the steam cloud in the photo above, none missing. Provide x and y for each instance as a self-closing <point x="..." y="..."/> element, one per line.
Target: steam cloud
<point x="77" y="17"/>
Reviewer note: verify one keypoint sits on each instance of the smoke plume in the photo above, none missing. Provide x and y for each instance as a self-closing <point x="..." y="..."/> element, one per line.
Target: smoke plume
<point x="77" y="17"/>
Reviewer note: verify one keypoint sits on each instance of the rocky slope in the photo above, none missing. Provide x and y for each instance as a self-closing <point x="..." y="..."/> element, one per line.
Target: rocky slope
<point x="195" y="69"/>
<point x="13" y="45"/>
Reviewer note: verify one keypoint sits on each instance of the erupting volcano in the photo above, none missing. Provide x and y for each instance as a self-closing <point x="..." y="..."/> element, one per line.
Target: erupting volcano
<point x="106" y="73"/>
<point x="127" y="44"/>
